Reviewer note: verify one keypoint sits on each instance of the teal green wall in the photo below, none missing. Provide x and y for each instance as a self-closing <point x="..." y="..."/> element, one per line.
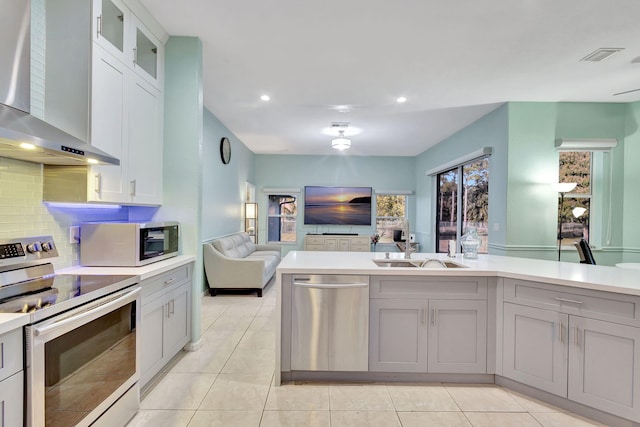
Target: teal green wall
<point x="524" y="164"/>
<point x="631" y="203"/>
<point x="488" y="131"/>
<point x="291" y="171"/>
<point x="223" y="186"/>
<point x="182" y="166"/>
<point x="533" y="167"/>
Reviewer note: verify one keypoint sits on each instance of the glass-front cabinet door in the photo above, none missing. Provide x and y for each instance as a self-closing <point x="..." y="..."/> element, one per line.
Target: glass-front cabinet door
<point x="110" y="21"/>
<point x="148" y="53"/>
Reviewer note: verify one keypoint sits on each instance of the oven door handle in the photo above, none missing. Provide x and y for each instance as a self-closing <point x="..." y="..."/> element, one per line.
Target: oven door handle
<point x="93" y="310"/>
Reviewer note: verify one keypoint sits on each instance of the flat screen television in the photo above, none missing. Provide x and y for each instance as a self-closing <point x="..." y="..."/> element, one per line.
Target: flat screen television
<point x="337" y="205"/>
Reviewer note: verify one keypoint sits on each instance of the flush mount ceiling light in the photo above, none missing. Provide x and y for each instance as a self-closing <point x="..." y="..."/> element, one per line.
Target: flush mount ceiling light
<point x="265" y="98"/>
<point x="401" y="99"/>
<point x="341" y="143"/>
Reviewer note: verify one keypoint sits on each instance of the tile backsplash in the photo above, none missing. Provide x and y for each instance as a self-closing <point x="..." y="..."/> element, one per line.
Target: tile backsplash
<point x="23" y="214"/>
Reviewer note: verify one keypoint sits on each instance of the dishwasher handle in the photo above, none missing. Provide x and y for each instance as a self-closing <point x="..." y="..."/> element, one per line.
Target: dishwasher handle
<point x="330" y="285"/>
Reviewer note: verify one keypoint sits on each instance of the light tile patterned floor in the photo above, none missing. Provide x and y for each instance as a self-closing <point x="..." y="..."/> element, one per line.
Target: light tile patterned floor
<point x="228" y="381"/>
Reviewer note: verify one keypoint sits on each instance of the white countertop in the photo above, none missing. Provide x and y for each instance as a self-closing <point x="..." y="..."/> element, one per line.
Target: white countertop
<point x="610" y="279"/>
<point x="10" y="321"/>
<point x="144" y="272"/>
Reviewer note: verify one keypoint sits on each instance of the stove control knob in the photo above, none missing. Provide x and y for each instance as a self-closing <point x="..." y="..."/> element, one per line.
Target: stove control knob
<point x="47" y="246"/>
<point x="34" y="247"/>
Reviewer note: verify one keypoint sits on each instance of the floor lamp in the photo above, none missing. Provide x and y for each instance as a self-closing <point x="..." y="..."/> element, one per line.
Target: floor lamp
<point x="562" y="188"/>
<point x="251" y="220"/>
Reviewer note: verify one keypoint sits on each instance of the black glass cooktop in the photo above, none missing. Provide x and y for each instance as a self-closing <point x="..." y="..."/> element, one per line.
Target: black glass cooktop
<point x="64" y="291"/>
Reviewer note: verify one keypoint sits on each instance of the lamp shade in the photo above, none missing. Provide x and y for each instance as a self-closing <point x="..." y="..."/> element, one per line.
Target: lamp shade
<point x="564" y="187"/>
<point x="250" y="210"/>
<point x="578" y="211"/>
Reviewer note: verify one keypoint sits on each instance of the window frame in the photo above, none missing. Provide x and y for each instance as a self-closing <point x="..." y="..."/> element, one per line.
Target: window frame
<point x="576" y="196"/>
<point x="389" y="239"/>
<point x="293" y="217"/>
<point x="459" y="170"/>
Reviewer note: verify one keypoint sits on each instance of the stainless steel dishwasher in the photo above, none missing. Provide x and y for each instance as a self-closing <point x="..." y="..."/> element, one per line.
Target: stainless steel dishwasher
<point x="330" y="323"/>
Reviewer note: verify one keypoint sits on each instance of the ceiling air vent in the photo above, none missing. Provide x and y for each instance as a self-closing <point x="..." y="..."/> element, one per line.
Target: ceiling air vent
<point x="601" y="54"/>
<point x="339" y="125"/>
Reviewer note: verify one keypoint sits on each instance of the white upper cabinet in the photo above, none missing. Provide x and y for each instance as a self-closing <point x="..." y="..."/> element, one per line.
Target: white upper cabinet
<point x="145" y="143"/>
<point x="148" y="54"/>
<point x="111" y="19"/>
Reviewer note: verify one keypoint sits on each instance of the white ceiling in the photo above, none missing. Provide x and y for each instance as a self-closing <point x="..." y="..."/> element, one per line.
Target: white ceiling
<point x="454" y="60"/>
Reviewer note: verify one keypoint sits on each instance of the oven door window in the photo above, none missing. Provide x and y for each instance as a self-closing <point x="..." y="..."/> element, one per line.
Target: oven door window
<point x="88" y="364"/>
<point x="158" y="241"/>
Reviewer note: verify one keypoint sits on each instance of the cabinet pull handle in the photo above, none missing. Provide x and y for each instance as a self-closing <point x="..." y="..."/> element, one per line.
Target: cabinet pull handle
<point x="576" y="336"/>
<point x="98" y="183"/>
<point x="135" y="55"/>
<point x="99" y="26"/>
<point x="572" y="301"/>
<point x="173" y="279"/>
<point x="434" y="316"/>
<point x="173" y="306"/>
<point x="167" y="307"/>
<point x="561" y="332"/>
<point x="133" y="188"/>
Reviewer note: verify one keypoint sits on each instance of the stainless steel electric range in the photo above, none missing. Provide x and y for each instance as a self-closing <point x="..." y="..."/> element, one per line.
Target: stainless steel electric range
<point x="81" y="342"/>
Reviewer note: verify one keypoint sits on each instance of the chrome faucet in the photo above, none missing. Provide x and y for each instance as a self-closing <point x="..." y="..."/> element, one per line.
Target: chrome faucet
<point x="407" y="240"/>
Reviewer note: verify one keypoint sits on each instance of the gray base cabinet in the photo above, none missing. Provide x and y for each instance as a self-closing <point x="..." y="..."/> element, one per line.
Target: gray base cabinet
<point x="535" y="348"/>
<point x="166" y="319"/>
<point x="564" y="343"/>
<point x="604" y="366"/>
<point x="457" y="337"/>
<point x="11" y="378"/>
<point x="398" y="335"/>
<point x="428" y="325"/>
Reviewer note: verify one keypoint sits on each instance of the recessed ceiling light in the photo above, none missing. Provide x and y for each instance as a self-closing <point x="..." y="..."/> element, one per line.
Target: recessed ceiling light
<point x="265" y="97"/>
<point x="401" y="99"/>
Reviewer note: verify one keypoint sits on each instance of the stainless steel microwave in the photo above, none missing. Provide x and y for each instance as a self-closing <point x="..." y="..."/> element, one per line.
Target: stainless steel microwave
<point x="127" y="244"/>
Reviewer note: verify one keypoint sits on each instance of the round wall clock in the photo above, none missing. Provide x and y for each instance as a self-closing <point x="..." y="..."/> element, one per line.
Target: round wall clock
<point x="225" y="150"/>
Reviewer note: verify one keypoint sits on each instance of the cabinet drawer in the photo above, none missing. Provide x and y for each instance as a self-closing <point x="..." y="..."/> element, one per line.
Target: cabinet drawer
<point x="584" y="302"/>
<point x="10" y="353"/>
<point x="314" y="240"/>
<point x="165" y="280"/>
<point x="358" y="247"/>
<point x="314" y="248"/>
<point x="428" y="287"/>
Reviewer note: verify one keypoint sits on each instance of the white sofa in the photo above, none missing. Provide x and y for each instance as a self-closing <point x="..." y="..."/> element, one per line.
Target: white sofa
<point x="235" y="262"/>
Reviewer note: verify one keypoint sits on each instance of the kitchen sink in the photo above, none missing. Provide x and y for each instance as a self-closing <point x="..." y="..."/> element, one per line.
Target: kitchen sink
<point x="418" y="263"/>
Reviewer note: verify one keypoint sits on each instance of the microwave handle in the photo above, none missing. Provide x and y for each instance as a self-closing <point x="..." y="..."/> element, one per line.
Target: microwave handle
<point x="91" y="312"/>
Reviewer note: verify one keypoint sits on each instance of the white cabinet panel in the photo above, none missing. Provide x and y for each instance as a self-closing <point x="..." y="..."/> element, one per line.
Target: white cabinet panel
<point x="108" y="126"/>
<point x="334" y="242"/>
<point x="145" y="143"/>
<point x="603" y="366"/>
<point x="535" y="347"/>
<point x="166" y="319"/>
<point x="11" y="400"/>
<point x="398" y="335"/>
<point x="457" y="336"/>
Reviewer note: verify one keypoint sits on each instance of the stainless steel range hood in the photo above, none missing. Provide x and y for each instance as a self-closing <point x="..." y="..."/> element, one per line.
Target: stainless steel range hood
<point x="23" y="136"/>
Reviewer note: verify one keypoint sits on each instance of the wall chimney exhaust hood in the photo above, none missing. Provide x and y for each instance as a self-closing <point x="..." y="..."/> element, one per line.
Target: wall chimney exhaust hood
<point x="23" y="136"/>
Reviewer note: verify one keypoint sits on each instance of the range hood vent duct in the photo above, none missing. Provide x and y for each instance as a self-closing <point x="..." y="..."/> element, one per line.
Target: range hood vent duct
<point x="23" y="136"/>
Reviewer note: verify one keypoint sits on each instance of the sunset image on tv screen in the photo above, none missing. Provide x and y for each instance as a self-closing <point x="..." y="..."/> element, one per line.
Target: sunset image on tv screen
<point x="337" y="205"/>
